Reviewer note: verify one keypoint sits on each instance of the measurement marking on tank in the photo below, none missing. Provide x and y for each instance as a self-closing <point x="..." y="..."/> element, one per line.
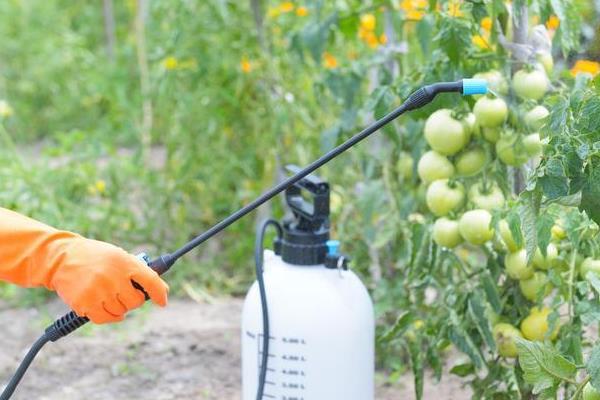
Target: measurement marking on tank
<point x="288" y="385"/>
<point x="292" y="372"/>
<point x="291" y="398"/>
<point x="290" y="357"/>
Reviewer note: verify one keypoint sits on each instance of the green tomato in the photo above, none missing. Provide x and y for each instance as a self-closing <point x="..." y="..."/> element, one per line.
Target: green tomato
<point x="534" y="285"/>
<point x="516" y="265"/>
<point x="511" y="151"/>
<point x="530" y="84"/>
<point x="445" y="134"/>
<point x="475" y="227"/>
<point x="470" y="162"/>
<point x="490" y="112"/>
<point x="470" y="121"/>
<point x="536" y="117"/>
<point x="490" y="199"/>
<point x="507" y="236"/>
<point x="496" y="81"/>
<point x="446" y="233"/>
<point x="491" y="134"/>
<point x="404" y="166"/>
<point x="442" y="198"/>
<point x="545" y="58"/>
<point x="589" y="265"/>
<point x="533" y="144"/>
<point x="589" y="393"/>
<point x="433" y="166"/>
<point x="535" y="325"/>
<point x="542" y="262"/>
<point x="504" y="335"/>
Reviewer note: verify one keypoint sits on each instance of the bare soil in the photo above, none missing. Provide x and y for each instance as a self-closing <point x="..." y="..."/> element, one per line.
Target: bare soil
<point x="187" y="351"/>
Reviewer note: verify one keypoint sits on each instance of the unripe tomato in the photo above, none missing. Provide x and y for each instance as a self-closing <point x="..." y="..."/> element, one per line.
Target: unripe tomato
<point x="589" y="393"/>
<point x="589" y="265"/>
<point x="545" y="58"/>
<point x="404" y="166"/>
<point x="533" y="144"/>
<point x="433" y="166"/>
<point x="547" y="262"/>
<point x="471" y="123"/>
<point x="558" y="233"/>
<point x="490" y="112"/>
<point x="490" y="198"/>
<point x="516" y="265"/>
<point x="530" y="84"/>
<point x="507" y="236"/>
<point x="535" y="325"/>
<point x="532" y="286"/>
<point x="446" y="233"/>
<point x="504" y="335"/>
<point x="491" y="134"/>
<point x="475" y="227"/>
<point x="445" y="134"/>
<point x="510" y="151"/>
<point x="442" y="198"/>
<point x="535" y="118"/>
<point x="495" y="80"/>
<point x="470" y="162"/>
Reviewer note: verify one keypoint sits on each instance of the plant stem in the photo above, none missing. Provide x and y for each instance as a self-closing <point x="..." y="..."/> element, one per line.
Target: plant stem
<point x="571" y="278"/>
<point x="580" y="387"/>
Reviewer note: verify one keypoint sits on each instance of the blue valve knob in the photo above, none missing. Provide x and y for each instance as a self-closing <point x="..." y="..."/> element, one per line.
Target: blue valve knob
<point x="474" y="86"/>
<point x="333" y="247"/>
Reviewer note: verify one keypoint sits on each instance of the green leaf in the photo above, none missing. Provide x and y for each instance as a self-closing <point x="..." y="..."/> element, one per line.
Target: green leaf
<point x="463" y="370"/>
<point x="590" y="194"/>
<point x="463" y="341"/>
<point x="593" y="366"/>
<point x="478" y="314"/>
<point x="544" y="226"/>
<point x="543" y="366"/>
<point x="401" y="324"/>
<point x="491" y="291"/>
<point x="528" y="212"/>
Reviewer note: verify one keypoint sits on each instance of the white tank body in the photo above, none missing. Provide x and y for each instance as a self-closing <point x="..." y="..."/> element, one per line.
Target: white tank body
<point x="322" y="334"/>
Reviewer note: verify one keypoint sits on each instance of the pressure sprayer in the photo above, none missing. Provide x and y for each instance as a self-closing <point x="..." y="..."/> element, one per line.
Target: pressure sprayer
<point x="338" y="308"/>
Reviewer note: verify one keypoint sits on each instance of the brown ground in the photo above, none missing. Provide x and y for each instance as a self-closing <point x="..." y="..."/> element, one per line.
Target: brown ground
<point x="186" y="351"/>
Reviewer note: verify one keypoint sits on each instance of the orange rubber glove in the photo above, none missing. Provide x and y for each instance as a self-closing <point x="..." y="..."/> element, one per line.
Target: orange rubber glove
<point x="94" y="278"/>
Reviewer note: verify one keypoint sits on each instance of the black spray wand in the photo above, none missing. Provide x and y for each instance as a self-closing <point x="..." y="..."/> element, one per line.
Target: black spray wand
<point x="423" y="96"/>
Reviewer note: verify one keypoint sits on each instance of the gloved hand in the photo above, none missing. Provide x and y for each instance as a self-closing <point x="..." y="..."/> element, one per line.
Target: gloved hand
<point x="94" y="278"/>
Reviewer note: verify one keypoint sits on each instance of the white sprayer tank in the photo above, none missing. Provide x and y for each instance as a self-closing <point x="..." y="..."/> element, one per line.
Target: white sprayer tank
<point x="322" y="334"/>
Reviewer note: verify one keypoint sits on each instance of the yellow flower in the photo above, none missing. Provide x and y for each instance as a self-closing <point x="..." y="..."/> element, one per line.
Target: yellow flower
<point x="481" y="42"/>
<point x="586" y="67"/>
<point x="486" y="24"/>
<point x="414" y="9"/>
<point x="170" y="63"/>
<point x="5" y="109"/>
<point x="302" y="11"/>
<point x="371" y="40"/>
<point x="454" y="9"/>
<point x="368" y="22"/>
<point x="273" y="12"/>
<point x="100" y="186"/>
<point x="286" y="7"/>
<point x="246" y="65"/>
<point x="383" y="38"/>
<point x="553" y="23"/>
<point x="329" y="61"/>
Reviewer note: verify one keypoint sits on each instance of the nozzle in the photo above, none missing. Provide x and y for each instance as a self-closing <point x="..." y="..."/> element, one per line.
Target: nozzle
<point x="474" y="86"/>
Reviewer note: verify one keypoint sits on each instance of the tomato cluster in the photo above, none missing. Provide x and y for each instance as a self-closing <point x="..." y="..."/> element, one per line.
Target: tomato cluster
<point x="470" y="152"/>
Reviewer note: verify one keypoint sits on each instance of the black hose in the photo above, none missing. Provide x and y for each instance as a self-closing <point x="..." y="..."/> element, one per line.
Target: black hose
<point x="14" y="381"/>
<point x="258" y="262"/>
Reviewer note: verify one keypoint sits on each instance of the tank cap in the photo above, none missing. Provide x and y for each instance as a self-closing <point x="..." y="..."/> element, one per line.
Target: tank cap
<point x="333" y="247"/>
<point x="474" y="86"/>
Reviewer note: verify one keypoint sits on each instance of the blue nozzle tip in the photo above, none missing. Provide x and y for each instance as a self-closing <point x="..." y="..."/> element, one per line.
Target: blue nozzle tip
<point x="474" y="86"/>
<point x="333" y="247"/>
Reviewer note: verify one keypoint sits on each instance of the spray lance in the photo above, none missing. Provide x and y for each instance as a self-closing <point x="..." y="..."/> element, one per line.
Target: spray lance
<point x="71" y="321"/>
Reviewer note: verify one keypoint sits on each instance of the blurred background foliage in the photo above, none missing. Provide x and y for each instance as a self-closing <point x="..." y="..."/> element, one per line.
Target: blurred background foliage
<point x="144" y="122"/>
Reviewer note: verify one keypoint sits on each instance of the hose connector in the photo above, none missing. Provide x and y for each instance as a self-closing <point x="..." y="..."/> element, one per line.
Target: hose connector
<point x="474" y="86"/>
